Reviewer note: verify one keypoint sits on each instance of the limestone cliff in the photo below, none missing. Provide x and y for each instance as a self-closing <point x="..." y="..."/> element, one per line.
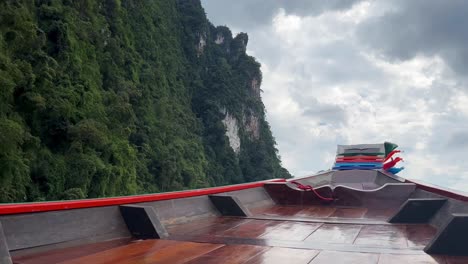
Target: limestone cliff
<point x="117" y="97"/>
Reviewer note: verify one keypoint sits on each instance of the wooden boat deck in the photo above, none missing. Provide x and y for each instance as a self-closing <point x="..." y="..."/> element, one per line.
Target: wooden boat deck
<point x="279" y="234"/>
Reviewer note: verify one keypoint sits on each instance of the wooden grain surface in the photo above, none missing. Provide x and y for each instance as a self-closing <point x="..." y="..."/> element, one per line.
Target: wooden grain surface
<point x="241" y="240"/>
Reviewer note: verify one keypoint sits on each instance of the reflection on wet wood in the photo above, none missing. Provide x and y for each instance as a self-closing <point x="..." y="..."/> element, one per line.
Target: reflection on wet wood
<point x="212" y="226"/>
<point x="291" y="231"/>
<point x="59" y="255"/>
<point x="349" y="212"/>
<point x="416" y="259"/>
<point x="335" y="233"/>
<point x="326" y="220"/>
<point x="456" y="260"/>
<point x="316" y="211"/>
<point x="327" y="257"/>
<point x="419" y="235"/>
<point x="178" y="253"/>
<point x="283" y="210"/>
<point x="251" y="229"/>
<point x="187" y="228"/>
<point x="278" y="255"/>
<point x="125" y="252"/>
<point x="382" y="214"/>
<point x="306" y="244"/>
<point x="150" y="251"/>
<point x="390" y="236"/>
<point x="320" y="211"/>
<point x="230" y="254"/>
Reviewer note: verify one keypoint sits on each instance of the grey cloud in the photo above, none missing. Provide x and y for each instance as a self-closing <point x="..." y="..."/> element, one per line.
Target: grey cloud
<point x="322" y="113"/>
<point x="327" y="114"/>
<point x="248" y="14"/>
<point x="326" y="64"/>
<point x="421" y="119"/>
<point x="331" y="63"/>
<point x="254" y="17"/>
<point x="458" y="140"/>
<point x="421" y="27"/>
<point x="448" y="142"/>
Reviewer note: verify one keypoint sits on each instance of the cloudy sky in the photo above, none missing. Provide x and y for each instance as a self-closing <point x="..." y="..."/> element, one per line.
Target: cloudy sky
<point x="350" y="71"/>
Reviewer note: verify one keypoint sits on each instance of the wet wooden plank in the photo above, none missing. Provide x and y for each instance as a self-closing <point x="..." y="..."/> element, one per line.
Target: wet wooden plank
<point x="187" y="228"/>
<point x="210" y="225"/>
<point x="284" y="255"/>
<point x="261" y="210"/>
<point x="349" y="212"/>
<point x="291" y="231"/>
<point x="390" y="236"/>
<point x="289" y="236"/>
<point x="456" y="259"/>
<point x="335" y="233"/>
<point x="381" y="214"/>
<point x="328" y="257"/>
<point x="63" y="254"/>
<point x="282" y="210"/>
<point x="326" y="220"/>
<point x="419" y="235"/>
<point x="251" y="229"/>
<point x="316" y="211"/>
<point x="306" y="244"/>
<point x="232" y="254"/>
<point x="413" y="259"/>
<point x="125" y="252"/>
<point x="220" y="228"/>
<point x="178" y="253"/>
<point x="278" y="255"/>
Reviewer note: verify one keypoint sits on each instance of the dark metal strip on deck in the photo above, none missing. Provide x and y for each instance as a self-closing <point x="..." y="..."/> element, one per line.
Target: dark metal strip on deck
<point x="418" y="210"/>
<point x="451" y="239"/>
<point x="327" y="220"/>
<point x="296" y="244"/>
<point x="143" y="222"/>
<point x="5" y="257"/>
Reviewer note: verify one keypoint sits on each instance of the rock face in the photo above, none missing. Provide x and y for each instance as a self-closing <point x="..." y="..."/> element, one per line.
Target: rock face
<point x="250" y="123"/>
<point x="252" y="126"/>
<point x="255" y="87"/>
<point x="201" y="44"/>
<point x="232" y="132"/>
<point x="227" y="98"/>
<point x="219" y="39"/>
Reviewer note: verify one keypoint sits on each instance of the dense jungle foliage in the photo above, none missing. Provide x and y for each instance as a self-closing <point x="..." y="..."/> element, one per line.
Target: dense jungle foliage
<point x="118" y="97"/>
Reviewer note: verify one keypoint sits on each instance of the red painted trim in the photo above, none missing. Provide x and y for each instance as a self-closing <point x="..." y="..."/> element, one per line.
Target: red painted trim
<point x="376" y="158"/>
<point x="440" y="190"/>
<point x="358" y="161"/>
<point x="18" y="208"/>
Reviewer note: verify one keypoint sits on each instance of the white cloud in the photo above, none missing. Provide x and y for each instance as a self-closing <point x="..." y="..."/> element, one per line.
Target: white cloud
<point x="459" y="103"/>
<point x="323" y="87"/>
<point x="418" y="72"/>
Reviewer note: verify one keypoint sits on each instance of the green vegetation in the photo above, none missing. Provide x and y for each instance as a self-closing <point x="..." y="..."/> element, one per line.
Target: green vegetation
<point x="118" y="97"/>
